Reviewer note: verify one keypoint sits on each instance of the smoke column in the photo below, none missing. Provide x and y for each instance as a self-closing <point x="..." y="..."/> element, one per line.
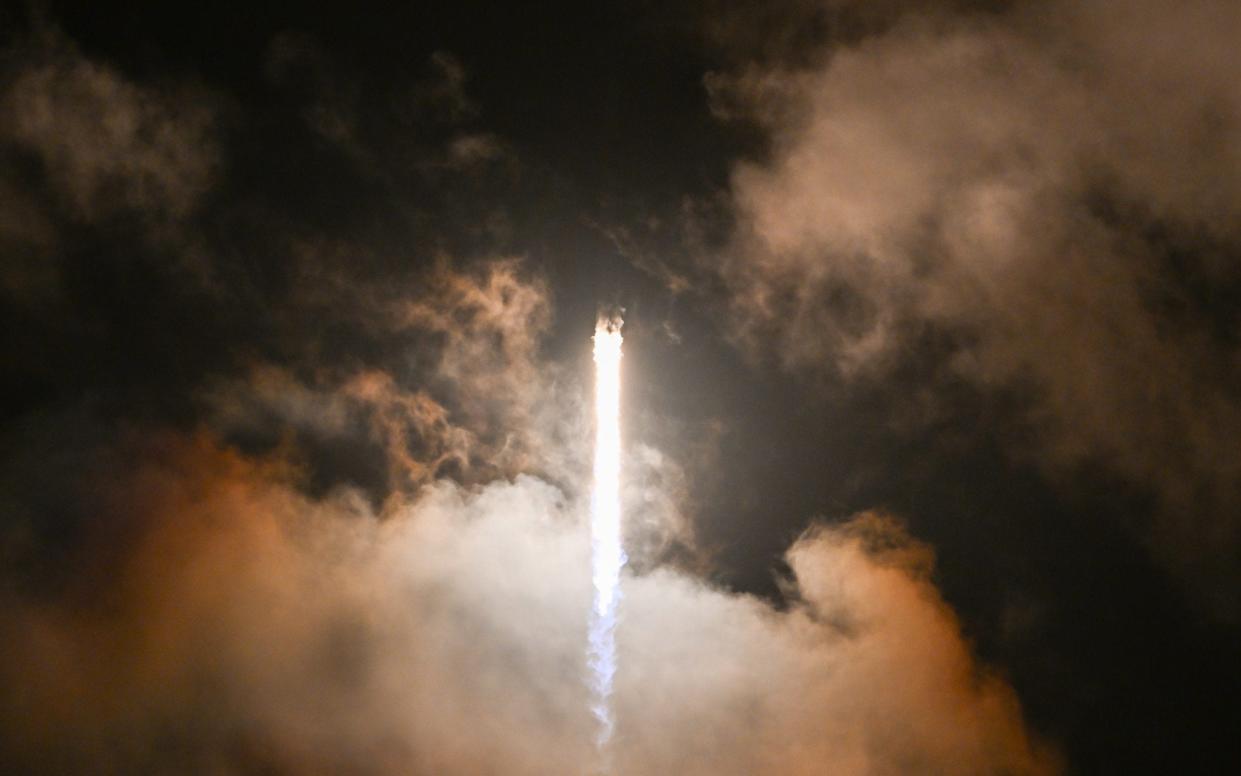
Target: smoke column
<point x="607" y="555"/>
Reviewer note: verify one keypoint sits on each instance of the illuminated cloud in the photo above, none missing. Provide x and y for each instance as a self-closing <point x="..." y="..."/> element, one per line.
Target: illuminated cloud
<point x="479" y="402"/>
<point x="1035" y="189"/>
<point x="247" y="626"/>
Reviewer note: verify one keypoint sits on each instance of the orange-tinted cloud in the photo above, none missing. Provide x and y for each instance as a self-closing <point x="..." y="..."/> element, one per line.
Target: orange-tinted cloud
<point x="246" y="626"/>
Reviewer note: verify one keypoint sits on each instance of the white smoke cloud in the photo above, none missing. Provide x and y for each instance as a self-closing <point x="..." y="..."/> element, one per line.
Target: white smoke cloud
<point x="249" y="626"/>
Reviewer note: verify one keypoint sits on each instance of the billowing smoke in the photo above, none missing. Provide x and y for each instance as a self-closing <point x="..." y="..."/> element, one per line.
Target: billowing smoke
<point x="1041" y="199"/>
<point x="223" y="608"/>
<point x="247" y="627"/>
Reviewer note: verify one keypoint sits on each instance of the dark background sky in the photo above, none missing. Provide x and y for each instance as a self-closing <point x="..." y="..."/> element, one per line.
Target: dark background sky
<point x="610" y="171"/>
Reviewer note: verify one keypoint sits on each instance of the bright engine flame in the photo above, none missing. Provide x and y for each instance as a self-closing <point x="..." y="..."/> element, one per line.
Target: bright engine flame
<point x="607" y="554"/>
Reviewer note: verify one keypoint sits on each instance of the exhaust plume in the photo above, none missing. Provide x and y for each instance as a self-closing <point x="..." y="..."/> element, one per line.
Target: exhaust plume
<point x="607" y="556"/>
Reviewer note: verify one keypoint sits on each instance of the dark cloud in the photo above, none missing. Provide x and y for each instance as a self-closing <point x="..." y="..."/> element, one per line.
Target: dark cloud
<point x="104" y="144"/>
<point x="85" y="147"/>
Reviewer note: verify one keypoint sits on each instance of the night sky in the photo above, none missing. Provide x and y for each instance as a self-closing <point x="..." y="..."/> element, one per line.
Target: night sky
<point x="932" y="385"/>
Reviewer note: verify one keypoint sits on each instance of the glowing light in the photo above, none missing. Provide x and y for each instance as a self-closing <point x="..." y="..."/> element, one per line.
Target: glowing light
<point x="607" y="554"/>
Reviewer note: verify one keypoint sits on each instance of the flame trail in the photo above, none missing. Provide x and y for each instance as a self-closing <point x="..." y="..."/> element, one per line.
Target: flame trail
<point x="607" y="554"/>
